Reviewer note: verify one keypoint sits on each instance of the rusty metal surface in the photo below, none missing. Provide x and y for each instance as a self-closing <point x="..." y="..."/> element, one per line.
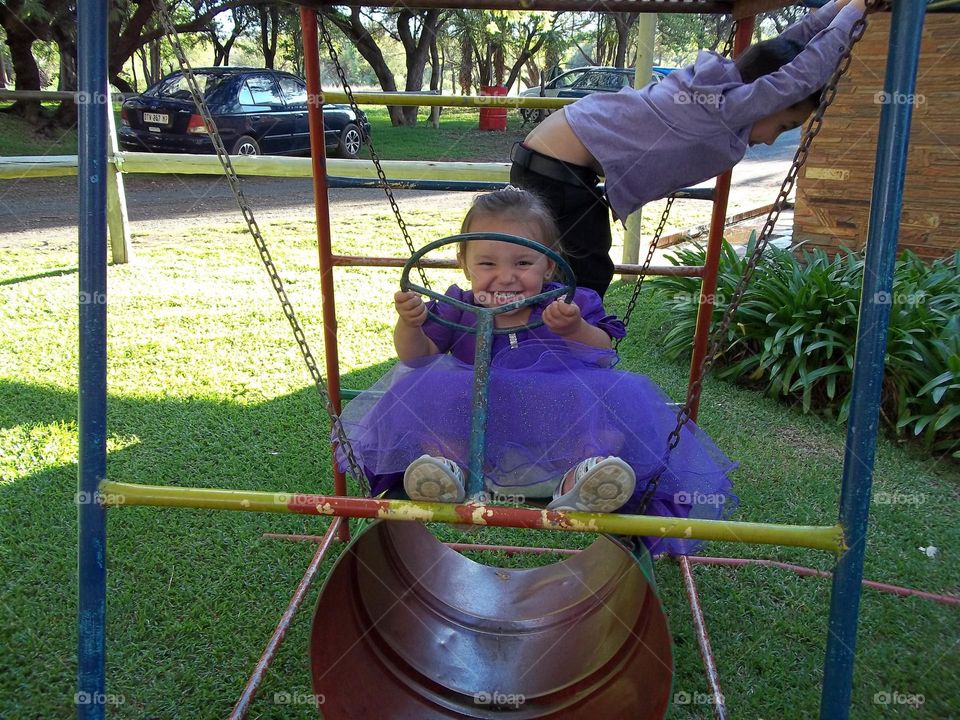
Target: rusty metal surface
<point x="668" y="6"/>
<point x="407" y="627"/>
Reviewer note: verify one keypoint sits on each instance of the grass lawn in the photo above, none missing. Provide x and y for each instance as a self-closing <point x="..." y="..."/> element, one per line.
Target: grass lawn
<point x="206" y="388"/>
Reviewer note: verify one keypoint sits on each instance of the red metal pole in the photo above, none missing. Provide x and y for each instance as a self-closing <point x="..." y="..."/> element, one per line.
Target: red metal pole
<point x="321" y="203"/>
<point x="708" y="290"/>
<point x="242" y="707"/>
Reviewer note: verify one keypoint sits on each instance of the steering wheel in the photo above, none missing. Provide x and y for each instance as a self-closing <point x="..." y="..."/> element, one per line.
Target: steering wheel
<point x="569" y="284"/>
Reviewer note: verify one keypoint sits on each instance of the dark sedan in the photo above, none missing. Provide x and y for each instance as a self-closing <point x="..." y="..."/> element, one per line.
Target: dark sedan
<point x="256" y="111"/>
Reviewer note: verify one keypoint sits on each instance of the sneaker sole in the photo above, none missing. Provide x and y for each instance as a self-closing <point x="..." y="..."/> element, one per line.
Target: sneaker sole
<point x="605" y="488"/>
<point x="429" y="482"/>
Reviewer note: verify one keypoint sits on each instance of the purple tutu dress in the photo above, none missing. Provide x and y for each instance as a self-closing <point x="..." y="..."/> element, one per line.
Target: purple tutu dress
<point x="551" y="404"/>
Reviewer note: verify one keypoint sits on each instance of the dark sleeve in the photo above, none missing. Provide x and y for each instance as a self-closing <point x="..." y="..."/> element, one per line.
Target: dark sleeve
<point x="592" y="310"/>
<point x="441" y="335"/>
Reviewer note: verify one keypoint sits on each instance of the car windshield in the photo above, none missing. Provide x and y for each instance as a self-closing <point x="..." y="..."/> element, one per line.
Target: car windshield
<point x="604" y="80"/>
<point x="176" y="87"/>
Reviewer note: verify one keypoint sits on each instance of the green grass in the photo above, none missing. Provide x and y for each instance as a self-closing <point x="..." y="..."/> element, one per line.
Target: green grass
<point x="206" y="388"/>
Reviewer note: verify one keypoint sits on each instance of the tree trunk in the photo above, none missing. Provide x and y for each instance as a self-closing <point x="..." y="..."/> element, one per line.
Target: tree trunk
<point x="26" y="73"/>
<point x="353" y="28"/>
<point x="269" y="25"/>
<point x="417" y="51"/>
<point x="436" y="80"/>
<point x="64" y="34"/>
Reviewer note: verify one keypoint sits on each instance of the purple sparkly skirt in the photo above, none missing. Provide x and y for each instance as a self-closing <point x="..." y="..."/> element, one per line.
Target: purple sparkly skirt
<point x="551" y="404"/>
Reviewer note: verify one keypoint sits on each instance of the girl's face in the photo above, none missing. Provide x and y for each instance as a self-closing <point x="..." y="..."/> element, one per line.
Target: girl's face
<point x="501" y="272"/>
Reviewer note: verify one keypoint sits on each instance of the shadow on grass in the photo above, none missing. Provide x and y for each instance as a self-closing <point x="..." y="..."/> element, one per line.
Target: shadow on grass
<point x="38" y="276"/>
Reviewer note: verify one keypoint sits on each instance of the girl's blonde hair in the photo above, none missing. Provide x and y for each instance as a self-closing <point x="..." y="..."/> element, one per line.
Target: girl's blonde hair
<point x="517" y="205"/>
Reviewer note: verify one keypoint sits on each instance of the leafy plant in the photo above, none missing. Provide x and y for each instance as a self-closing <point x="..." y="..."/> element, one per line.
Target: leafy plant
<point x="795" y="331"/>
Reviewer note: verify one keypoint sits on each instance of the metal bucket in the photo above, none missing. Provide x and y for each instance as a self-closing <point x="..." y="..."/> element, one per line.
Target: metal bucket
<point x="406" y="627"/>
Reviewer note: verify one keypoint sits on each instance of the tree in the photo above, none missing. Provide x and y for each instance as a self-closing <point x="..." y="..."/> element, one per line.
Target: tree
<point x="415" y="29"/>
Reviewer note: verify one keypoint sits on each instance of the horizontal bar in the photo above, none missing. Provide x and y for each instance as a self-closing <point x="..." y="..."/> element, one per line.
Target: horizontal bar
<point x="432" y="99"/>
<point x="117" y="494"/>
<point x="358" y="261"/>
<point x="720" y="7"/>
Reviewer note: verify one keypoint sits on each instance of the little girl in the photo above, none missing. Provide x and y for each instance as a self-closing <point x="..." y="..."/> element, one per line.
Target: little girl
<point x="561" y="422"/>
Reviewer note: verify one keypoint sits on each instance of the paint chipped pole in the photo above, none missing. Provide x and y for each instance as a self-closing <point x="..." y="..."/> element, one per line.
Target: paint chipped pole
<point x="118" y="494"/>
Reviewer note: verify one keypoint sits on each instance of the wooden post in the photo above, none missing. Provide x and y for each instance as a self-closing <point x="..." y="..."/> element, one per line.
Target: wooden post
<point x="117" y="221"/>
<point x="646" y="39"/>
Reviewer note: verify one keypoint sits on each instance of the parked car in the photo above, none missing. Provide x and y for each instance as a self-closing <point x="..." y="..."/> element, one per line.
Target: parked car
<point x="256" y="111"/>
<point x="579" y="82"/>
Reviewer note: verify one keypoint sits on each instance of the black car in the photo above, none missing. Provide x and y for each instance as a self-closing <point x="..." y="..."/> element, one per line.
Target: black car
<point x="256" y="111"/>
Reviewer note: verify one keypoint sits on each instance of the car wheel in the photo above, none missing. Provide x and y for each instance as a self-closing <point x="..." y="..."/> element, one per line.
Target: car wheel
<point x="350" y="142"/>
<point x="246" y="146"/>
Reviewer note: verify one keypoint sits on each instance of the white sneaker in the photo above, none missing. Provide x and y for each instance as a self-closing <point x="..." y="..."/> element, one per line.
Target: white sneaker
<point x="434" y="479"/>
<point x="599" y="485"/>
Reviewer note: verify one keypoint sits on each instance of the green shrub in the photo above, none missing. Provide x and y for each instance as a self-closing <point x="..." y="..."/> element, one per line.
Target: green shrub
<point x="795" y="331"/>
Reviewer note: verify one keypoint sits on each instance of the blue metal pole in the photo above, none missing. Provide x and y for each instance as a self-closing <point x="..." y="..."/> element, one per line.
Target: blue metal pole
<point x="894" y="136"/>
<point x="478" y="419"/>
<point x="93" y="105"/>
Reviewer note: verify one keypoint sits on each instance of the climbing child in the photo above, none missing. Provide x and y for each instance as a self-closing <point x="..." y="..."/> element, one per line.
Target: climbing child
<point x="696" y="124"/>
<point x="561" y="422"/>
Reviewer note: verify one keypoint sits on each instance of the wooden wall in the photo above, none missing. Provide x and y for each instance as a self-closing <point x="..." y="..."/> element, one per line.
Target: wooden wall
<point x="833" y="191"/>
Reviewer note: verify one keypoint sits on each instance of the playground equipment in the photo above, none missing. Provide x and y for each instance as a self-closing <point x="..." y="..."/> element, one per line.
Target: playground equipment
<point x="388" y="543"/>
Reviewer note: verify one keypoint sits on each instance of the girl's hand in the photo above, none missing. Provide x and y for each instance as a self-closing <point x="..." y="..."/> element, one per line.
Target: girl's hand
<point x="410" y="308"/>
<point x="562" y="318"/>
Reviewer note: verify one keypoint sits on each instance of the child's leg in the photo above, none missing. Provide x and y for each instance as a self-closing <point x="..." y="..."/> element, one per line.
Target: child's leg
<point x="595" y="485"/>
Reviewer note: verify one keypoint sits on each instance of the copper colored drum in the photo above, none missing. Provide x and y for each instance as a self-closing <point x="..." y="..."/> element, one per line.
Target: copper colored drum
<point x="406" y="628"/>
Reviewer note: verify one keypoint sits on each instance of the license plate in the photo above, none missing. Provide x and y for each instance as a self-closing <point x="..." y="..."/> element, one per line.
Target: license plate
<point x="158" y="118"/>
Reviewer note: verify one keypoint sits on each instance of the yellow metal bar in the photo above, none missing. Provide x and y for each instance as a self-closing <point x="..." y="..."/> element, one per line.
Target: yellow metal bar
<point x="379" y="98"/>
<point x="116" y="494"/>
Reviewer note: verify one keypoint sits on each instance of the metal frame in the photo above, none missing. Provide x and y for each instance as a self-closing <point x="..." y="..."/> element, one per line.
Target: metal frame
<point x="868" y="371"/>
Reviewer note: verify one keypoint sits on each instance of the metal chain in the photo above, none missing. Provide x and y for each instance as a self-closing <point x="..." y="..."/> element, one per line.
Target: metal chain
<point x="384" y="183"/>
<point x="718" y="337"/>
<point x="728" y="45"/>
<point x="646" y="266"/>
<point x="234" y="181"/>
